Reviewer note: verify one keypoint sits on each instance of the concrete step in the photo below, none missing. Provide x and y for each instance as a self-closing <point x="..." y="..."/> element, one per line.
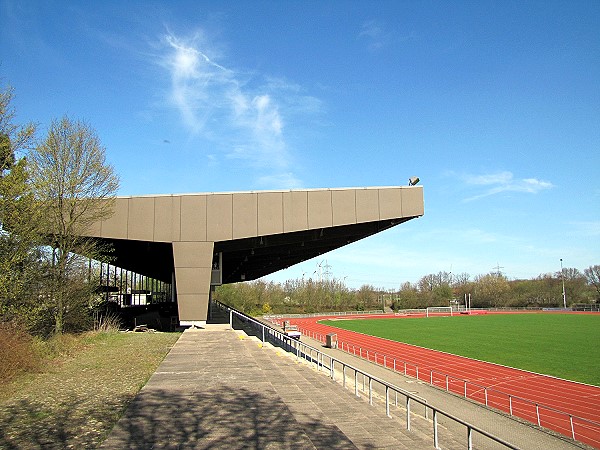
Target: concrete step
<point x="220" y="389"/>
<point x="312" y="396"/>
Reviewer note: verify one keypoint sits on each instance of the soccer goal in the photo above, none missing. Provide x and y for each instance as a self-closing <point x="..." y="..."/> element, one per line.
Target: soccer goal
<point x="438" y="311"/>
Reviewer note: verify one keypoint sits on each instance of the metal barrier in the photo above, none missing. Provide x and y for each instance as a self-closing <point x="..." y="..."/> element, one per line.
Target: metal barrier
<point x="537" y="413"/>
<point x="329" y="364"/>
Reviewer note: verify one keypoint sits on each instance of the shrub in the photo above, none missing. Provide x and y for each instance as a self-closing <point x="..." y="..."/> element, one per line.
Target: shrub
<point x="17" y="352"/>
<point x="107" y="323"/>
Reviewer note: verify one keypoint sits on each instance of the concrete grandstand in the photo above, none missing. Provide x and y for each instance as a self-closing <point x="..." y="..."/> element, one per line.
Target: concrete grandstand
<point x="198" y="241"/>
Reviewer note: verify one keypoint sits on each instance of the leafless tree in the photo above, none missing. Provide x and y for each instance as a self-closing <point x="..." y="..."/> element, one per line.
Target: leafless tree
<point x="592" y="274"/>
<point x="76" y="186"/>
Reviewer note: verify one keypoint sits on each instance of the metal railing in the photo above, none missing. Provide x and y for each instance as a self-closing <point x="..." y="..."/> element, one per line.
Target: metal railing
<point x="577" y="428"/>
<point x="330" y="364"/>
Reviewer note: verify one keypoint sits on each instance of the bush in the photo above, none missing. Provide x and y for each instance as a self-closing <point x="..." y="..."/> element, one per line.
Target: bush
<point x="18" y="352"/>
<point x="59" y="345"/>
<point x="107" y="323"/>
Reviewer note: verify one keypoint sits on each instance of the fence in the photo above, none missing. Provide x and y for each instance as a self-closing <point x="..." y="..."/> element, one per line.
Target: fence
<point x="322" y="314"/>
<point x="577" y="428"/>
<point x="457" y="308"/>
<point x="586" y="307"/>
<point x="329" y="364"/>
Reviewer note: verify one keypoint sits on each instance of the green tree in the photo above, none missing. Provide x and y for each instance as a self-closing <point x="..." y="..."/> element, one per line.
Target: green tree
<point x="576" y="287"/>
<point x="435" y="289"/>
<point x="408" y="297"/>
<point x="76" y="186"/>
<point x="366" y="297"/>
<point x="490" y="290"/>
<point x="21" y="267"/>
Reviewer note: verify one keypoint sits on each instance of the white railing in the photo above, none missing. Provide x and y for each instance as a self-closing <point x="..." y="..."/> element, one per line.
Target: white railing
<point x="330" y="364"/>
<point x="577" y="428"/>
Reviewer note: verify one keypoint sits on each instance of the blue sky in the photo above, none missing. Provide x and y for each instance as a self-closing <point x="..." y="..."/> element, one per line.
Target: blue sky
<point x="494" y="105"/>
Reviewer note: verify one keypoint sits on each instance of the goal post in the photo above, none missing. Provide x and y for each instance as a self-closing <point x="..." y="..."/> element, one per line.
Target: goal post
<point x="438" y="311"/>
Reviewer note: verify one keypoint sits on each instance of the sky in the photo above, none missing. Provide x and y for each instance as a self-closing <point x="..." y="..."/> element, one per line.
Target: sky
<point x="494" y="105"/>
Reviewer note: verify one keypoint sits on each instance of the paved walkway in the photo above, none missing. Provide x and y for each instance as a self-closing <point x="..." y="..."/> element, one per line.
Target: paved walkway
<point x="220" y="389"/>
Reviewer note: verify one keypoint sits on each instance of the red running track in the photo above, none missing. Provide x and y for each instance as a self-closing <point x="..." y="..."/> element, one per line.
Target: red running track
<point x="564" y="406"/>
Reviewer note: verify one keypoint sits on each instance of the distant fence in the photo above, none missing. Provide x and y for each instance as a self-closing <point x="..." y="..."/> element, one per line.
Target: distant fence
<point x="413" y="311"/>
<point x="586" y="307"/>
<point x="322" y="314"/>
<point x="350" y="377"/>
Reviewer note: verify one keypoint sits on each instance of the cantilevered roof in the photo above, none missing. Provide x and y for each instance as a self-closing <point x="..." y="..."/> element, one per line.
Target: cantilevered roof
<point x="258" y="233"/>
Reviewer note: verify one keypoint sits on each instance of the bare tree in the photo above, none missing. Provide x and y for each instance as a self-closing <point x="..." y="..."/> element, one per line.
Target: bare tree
<point x="592" y="274"/>
<point x="76" y="186"/>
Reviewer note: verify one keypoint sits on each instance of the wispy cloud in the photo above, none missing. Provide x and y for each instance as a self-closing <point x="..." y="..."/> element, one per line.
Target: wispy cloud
<point x="198" y="85"/>
<point x="496" y="183"/>
<point x="374" y="34"/>
<point x="263" y="141"/>
<point x="229" y="108"/>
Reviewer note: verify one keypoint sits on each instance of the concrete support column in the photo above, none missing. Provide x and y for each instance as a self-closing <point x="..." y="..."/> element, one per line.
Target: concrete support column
<point x="193" y="264"/>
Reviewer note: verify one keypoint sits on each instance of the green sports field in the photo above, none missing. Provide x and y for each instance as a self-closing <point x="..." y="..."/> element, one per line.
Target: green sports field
<point x="563" y="345"/>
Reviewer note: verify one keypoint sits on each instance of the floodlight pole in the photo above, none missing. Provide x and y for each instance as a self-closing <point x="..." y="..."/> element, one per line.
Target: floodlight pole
<point x="562" y="276"/>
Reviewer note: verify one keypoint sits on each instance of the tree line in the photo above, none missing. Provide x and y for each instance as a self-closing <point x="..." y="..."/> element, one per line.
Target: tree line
<point x="492" y="290"/>
<point x="52" y="188"/>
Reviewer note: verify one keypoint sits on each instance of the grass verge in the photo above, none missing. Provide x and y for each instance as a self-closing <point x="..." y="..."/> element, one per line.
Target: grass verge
<point x="76" y="400"/>
<point x="561" y="345"/>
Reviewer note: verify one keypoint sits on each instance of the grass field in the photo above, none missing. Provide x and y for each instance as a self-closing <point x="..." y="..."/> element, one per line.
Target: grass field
<point x="562" y="345"/>
<point x="76" y="400"/>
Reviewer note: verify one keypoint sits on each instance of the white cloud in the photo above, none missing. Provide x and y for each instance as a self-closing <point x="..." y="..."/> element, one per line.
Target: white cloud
<point x="504" y="182"/>
<point x="244" y="120"/>
<point x="198" y="85"/>
<point x="261" y="141"/>
<point x="374" y="34"/>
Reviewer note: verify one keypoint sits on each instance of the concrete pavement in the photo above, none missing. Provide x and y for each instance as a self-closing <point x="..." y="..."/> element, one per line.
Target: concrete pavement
<point x="221" y="389"/>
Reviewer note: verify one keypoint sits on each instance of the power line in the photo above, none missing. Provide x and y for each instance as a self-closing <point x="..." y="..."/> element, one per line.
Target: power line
<point x="498" y="271"/>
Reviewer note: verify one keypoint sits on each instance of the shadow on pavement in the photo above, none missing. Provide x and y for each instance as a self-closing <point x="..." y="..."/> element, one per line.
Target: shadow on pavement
<point x="222" y="417"/>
